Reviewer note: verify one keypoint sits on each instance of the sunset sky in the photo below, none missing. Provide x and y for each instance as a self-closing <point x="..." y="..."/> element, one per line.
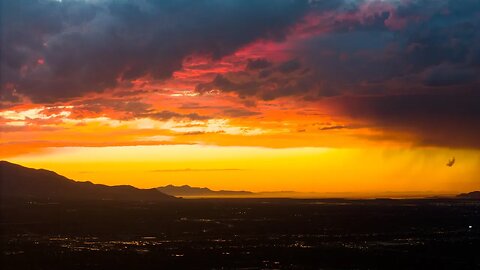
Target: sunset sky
<point x="363" y="96"/>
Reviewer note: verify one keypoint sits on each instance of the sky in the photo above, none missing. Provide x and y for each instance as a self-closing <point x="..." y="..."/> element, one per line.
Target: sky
<point x="362" y="96"/>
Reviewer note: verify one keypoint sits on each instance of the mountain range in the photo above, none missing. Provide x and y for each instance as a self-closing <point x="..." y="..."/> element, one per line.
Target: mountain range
<point x="21" y="182"/>
<point x="17" y="181"/>
<point x="470" y="195"/>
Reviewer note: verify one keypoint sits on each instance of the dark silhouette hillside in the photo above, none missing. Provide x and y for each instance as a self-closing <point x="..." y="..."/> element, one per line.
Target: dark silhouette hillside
<point x="26" y="183"/>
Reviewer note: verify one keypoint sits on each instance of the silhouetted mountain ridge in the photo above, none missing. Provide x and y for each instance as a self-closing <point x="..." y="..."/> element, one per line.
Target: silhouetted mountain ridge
<point x="187" y="190"/>
<point x="27" y="183"/>
<point x="469" y="195"/>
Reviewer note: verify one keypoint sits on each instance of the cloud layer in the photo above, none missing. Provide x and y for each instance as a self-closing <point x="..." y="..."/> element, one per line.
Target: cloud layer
<point x="395" y="66"/>
<point x="61" y="49"/>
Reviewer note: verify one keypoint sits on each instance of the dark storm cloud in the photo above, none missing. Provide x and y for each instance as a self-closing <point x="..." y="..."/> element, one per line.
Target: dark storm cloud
<point x="378" y="47"/>
<point x="434" y="44"/>
<point x="60" y="49"/>
<point x="425" y="74"/>
<point x="442" y="120"/>
<point x="408" y="66"/>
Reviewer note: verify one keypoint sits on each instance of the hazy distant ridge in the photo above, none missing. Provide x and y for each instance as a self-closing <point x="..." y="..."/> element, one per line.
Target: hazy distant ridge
<point x="26" y="183"/>
<point x="469" y="195"/>
<point x="187" y="190"/>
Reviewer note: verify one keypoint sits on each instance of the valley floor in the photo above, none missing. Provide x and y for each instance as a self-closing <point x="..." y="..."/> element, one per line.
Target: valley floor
<point x="242" y="233"/>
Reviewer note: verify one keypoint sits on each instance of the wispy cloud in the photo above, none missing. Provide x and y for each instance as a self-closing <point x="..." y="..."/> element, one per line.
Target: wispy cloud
<point x="196" y="170"/>
<point x="333" y="127"/>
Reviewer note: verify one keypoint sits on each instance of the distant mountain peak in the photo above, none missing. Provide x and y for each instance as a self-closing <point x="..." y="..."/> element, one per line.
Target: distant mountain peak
<point x="469" y="195"/>
<point x="186" y="190"/>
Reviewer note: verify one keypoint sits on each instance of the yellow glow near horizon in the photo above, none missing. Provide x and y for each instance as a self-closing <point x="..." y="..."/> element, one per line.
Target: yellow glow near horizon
<point x="310" y="169"/>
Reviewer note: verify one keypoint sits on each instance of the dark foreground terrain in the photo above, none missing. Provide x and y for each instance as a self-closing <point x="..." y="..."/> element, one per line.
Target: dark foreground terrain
<point x="242" y="233"/>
